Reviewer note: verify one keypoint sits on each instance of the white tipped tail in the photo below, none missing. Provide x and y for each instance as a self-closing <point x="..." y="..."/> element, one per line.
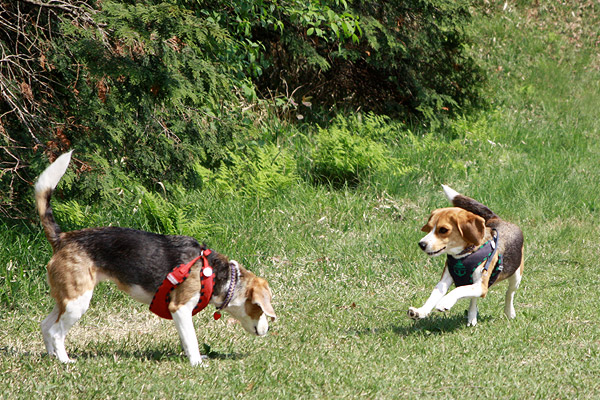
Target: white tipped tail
<point x="449" y="192"/>
<point x="43" y="193"/>
<point x="51" y="175"/>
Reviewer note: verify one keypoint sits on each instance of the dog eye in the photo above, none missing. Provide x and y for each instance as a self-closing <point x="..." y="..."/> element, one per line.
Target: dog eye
<point x="442" y="230"/>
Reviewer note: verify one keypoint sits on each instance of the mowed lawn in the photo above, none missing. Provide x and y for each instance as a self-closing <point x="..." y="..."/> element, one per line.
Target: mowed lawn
<point x="344" y="264"/>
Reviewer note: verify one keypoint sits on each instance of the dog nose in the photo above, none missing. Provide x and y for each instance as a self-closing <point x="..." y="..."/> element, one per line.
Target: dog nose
<point x="422" y="245"/>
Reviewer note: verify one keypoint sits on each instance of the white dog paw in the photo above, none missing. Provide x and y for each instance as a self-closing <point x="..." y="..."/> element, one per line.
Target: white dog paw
<point x="415" y="314"/>
<point x="199" y="364"/>
<point x="472" y="322"/>
<point x="510" y="313"/>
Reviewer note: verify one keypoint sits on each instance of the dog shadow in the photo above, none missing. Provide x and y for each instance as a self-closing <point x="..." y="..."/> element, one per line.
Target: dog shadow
<point x="435" y="324"/>
<point x="216" y="355"/>
<point x="153" y="354"/>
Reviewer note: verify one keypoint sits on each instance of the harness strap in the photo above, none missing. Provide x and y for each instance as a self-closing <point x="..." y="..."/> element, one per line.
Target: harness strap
<point x="162" y="298"/>
<point x="207" y="282"/>
<point x="495" y="246"/>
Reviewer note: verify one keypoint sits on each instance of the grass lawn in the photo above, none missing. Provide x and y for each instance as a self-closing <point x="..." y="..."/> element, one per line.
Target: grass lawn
<point x="344" y="265"/>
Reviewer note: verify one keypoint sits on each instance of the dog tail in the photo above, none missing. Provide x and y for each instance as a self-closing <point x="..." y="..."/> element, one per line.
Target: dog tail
<point x="467" y="203"/>
<point x="44" y="187"/>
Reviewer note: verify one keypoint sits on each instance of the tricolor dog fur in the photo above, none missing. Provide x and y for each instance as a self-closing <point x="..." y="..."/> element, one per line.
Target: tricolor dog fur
<point x="459" y="232"/>
<point x="137" y="262"/>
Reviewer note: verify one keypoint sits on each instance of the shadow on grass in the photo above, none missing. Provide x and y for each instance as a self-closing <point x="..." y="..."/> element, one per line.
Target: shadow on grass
<point x="436" y="325"/>
<point x="215" y="355"/>
<point x="149" y="354"/>
<point x="432" y="325"/>
<point x="144" y="354"/>
<point x="160" y="355"/>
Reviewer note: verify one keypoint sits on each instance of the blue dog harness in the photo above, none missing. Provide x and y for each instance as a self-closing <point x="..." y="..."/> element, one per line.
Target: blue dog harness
<point x="461" y="269"/>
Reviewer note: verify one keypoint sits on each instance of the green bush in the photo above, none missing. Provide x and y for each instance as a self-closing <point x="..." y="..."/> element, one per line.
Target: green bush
<point x="142" y="91"/>
<point x="407" y="58"/>
<point x="145" y="91"/>
<point x="172" y="216"/>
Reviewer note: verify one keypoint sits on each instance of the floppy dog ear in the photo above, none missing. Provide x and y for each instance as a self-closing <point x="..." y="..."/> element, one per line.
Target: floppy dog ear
<point x="261" y="296"/>
<point x="473" y="229"/>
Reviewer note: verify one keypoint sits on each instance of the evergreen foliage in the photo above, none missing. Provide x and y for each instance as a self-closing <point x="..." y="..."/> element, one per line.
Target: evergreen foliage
<point x="160" y="90"/>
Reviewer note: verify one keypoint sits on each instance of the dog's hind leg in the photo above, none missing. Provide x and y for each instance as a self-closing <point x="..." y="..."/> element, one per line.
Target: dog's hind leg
<point x="513" y="284"/>
<point x="56" y="326"/>
<point x="46" y="324"/>
<point x="472" y="313"/>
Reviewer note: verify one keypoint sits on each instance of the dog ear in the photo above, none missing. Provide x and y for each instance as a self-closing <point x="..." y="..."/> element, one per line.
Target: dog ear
<point x="472" y="229"/>
<point x="428" y="227"/>
<point x="261" y="296"/>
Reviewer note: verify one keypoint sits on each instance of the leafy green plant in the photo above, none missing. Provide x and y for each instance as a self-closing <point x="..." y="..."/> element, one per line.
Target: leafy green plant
<point x="259" y="171"/>
<point x="408" y="58"/>
<point x="341" y="155"/>
<point x="174" y="217"/>
<point x="146" y="90"/>
<point x="73" y="215"/>
<point x="155" y="86"/>
<point x="377" y="127"/>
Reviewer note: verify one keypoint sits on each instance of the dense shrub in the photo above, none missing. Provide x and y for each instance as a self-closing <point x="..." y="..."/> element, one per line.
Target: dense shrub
<point x="147" y="91"/>
<point x="400" y="57"/>
<point x="141" y="90"/>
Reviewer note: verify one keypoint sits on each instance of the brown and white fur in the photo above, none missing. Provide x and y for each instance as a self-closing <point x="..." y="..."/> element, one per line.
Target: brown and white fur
<point x="457" y="231"/>
<point x="137" y="262"/>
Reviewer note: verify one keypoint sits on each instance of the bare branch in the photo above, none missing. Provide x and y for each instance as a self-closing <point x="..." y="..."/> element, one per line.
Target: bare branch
<point x="82" y="11"/>
<point x="24" y="115"/>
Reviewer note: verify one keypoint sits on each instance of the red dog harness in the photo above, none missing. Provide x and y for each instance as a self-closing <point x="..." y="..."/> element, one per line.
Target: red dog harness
<point x="162" y="297"/>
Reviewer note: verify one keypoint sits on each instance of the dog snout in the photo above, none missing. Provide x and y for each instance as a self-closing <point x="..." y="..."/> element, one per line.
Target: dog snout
<point x="256" y="331"/>
<point x="422" y="245"/>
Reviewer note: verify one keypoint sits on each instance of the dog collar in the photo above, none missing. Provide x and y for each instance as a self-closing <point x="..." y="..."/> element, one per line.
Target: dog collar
<point x="462" y="269"/>
<point x="162" y="297"/>
<point x="232" y="284"/>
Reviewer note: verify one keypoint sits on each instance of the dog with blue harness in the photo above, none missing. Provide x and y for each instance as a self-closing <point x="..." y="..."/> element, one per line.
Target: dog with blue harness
<point x="481" y="249"/>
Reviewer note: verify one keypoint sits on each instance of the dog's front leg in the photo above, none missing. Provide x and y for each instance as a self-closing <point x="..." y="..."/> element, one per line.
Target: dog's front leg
<point x="438" y="293"/>
<point x="185" y="327"/>
<point x="471" y="291"/>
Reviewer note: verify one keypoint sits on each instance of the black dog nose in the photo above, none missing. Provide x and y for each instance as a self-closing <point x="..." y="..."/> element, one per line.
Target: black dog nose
<point x="422" y="245"/>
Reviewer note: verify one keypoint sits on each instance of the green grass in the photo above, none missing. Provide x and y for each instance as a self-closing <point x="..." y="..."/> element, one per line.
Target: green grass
<point x="344" y="264"/>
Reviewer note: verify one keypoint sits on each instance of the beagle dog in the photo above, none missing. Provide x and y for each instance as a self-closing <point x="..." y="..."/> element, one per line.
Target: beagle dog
<point x="139" y="263"/>
<point x="481" y="249"/>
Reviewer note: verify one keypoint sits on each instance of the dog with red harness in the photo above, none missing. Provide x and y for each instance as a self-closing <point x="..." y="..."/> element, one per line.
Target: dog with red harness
<point x="175" y="275"/>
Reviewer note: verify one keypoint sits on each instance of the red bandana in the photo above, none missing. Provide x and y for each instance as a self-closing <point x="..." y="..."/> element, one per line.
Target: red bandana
<point x="160" y="302"/>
